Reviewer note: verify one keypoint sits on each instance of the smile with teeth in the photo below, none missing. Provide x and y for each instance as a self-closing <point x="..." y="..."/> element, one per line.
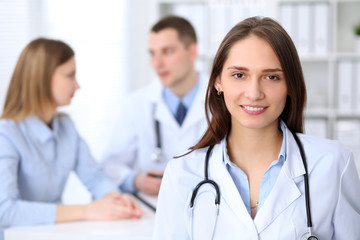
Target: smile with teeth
<point x="253" y="108"/>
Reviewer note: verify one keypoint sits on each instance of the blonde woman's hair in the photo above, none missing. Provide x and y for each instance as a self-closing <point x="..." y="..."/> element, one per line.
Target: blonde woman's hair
<point x="29" y="90"/>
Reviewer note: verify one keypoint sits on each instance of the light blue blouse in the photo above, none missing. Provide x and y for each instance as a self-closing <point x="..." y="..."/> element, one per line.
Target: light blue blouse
<point x="35" y="162"/>
<point x="269" y="178"/>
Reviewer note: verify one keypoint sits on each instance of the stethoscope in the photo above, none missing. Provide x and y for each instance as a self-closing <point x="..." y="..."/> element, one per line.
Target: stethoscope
<point x="157" y="155"/>
<point x="306" y="236"/>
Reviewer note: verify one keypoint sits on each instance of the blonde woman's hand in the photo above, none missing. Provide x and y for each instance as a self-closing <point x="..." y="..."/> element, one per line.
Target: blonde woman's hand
<point x="113" y="206"/>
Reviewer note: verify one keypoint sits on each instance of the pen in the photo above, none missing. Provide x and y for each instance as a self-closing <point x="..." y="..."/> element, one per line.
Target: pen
<point x="154" y="175"/>
<point x="144" y="202"/>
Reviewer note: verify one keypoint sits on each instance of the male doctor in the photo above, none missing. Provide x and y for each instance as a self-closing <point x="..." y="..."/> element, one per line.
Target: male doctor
<point x="163" y="119"/>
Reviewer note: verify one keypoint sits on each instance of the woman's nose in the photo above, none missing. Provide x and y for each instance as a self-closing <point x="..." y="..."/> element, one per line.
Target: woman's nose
<point x="77" y="86"/>
<point x="254" y="90"/>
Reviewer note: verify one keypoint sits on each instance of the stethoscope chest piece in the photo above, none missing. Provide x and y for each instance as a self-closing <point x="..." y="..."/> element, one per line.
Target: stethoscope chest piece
<point x="308" y="236"/>
<point x="157" y="155"/>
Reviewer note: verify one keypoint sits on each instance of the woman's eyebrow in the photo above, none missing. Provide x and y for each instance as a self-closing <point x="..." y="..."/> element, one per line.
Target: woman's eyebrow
<point x="237" y="68"/>
<point x="246" y="69"/>
<point x="273" y="70"/>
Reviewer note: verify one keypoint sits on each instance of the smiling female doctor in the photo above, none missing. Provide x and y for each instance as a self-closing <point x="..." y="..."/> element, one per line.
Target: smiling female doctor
<point x="258" y="184"/>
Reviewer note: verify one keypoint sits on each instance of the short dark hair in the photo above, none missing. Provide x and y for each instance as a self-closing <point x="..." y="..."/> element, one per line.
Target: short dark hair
<point x="183" y="27"/>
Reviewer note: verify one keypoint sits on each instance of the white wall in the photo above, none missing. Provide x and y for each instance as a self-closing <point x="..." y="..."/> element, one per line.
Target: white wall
<point x="95" y="30"/>
<point x="110" y="39"/>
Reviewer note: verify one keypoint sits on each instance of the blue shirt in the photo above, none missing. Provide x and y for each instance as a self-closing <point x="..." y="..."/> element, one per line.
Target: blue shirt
<point x="269" y="178"/>
<point x="172" y="101"/>
<point x="35" y="162"/>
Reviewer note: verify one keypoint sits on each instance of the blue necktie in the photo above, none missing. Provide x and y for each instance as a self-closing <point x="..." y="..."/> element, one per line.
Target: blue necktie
<point x="180" y="113"/>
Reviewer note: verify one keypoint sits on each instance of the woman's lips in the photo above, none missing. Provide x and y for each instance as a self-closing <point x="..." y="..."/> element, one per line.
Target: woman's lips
<point x="253" y="110"/>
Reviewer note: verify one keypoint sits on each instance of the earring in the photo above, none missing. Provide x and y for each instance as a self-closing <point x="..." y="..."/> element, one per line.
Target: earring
<point x="218" y="91"/>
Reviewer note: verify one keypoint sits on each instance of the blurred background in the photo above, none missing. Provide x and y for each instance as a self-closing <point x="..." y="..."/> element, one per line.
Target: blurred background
<point x="110" y="42"/>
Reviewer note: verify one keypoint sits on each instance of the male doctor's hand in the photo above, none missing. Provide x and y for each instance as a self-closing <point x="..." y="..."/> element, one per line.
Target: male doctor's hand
<point x="149" y="182"/>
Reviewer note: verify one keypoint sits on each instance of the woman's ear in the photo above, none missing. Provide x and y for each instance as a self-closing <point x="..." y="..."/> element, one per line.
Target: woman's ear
<point x="217" y="84"/>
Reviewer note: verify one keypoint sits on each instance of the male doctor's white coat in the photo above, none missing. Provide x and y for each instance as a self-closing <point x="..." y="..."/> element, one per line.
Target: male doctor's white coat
<point x="334" y="197"/>
<point x="134" y="138"/>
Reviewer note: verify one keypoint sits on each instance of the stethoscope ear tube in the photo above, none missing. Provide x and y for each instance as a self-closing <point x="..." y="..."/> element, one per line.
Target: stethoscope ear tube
<point x="157" y="133"/>
<point x="217" y="189"/>
<point x="306" y="180"/>
<point x="157" y="155"/>
<point x="217" y="198"/>
<point x="206" y="180"/>
<point x="207" y="157"/>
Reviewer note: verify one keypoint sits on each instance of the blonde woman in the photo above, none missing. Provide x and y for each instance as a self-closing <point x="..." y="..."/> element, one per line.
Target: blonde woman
<point x="40" y="147"/>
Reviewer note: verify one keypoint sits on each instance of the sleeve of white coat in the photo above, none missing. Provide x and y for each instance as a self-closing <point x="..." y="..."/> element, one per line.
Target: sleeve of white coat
<point x="169" y="220"/>
<point x="347" y="213"/>
<point x="121" y="151"/>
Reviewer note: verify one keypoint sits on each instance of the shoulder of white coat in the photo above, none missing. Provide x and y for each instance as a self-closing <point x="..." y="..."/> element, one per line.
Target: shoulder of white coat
<point x="141" y="98"/>
<point x="327" y="151"/>
<point x="187" y="168"/>
<point x="148" y="91"/>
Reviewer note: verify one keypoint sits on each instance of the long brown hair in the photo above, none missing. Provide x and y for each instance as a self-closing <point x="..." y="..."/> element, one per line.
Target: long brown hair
<point x="29" y="90"/>
<point x="269" y="30"/>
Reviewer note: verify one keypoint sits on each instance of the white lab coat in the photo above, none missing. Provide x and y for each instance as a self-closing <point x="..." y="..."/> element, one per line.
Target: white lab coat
<point x="334" y="197"/>
<point x="134" y="138"/>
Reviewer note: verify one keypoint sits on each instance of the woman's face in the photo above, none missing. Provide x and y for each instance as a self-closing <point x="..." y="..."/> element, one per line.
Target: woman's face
<point x="64" y="84"/>
<point x="253" y="84"/>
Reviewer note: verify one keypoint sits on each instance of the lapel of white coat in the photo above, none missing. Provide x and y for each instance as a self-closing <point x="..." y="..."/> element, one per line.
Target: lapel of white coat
<point x="163" y="114"/>
<point x="285" y="190"/>
<point x="195" y="113"/>
<point x="159" y="110"/>
<point x="228" y="191"/>
<point x="197" y="109"/>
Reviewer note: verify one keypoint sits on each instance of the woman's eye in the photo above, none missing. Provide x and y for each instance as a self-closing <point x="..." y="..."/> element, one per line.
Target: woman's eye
<point x="71" y="75"/>
<point x="273" y="77"/>
<point x="238" y="75"/>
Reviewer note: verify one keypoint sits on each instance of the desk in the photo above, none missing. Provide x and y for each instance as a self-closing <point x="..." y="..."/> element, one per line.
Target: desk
<point x="88" y="230"/>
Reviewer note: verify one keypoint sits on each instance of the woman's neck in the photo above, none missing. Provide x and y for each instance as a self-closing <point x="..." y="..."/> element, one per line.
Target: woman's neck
<point x="249" y="148"/>
<point x="47" y="117"/>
